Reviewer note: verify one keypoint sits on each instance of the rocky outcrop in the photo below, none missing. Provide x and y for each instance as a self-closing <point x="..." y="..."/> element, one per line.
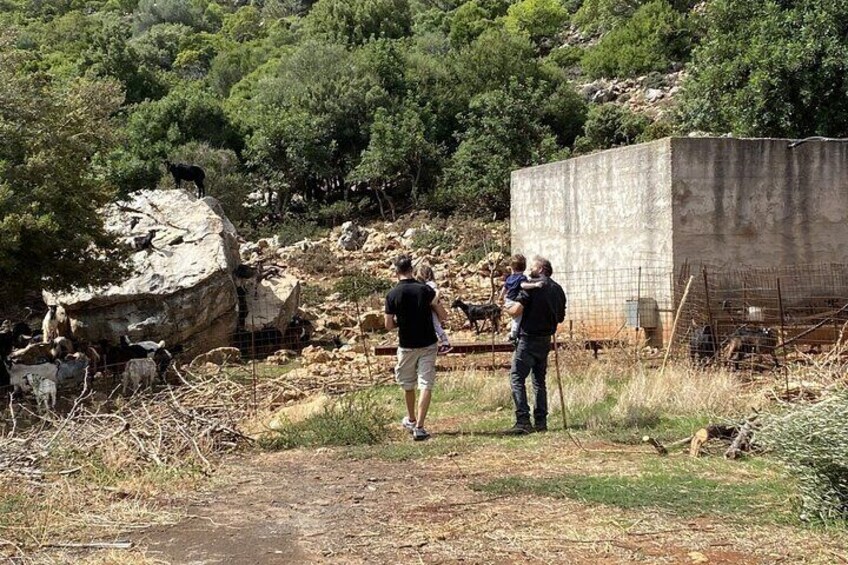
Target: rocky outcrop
<point x="181" y="290"/>
<point x="272" y="302"/>
<point x="352" y="237"/>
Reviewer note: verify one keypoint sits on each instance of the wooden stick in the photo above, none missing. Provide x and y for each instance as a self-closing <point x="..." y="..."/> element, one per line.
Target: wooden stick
<point x="562" y="395"/>
<point x="674" y="324"/>
<point x="92" y="545"/>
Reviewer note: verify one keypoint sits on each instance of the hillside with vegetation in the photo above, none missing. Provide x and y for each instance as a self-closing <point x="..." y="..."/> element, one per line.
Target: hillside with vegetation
<point x="313" y="112"/>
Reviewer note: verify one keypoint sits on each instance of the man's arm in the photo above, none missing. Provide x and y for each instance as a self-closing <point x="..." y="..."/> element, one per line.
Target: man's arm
<point x="439" y="310"/>
<point x="390" y="322"/>
<point x="562" y="304"/>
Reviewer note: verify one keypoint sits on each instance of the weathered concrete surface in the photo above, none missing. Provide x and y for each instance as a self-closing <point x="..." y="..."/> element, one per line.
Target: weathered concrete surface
<point x="609" y="210"/>
<point x="756" y="202"/>
<point x="717" y="201"/>
<point x="182" y="291"/>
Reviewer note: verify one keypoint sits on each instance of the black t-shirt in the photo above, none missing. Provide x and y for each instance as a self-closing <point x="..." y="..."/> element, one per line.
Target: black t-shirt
<point x="410" y="301"/>
<point x="544" y="309"/>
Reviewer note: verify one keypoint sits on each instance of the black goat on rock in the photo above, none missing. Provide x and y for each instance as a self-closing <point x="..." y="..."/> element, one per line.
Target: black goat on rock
<point x="191" y="173"/>
<point x="480" y="313"/>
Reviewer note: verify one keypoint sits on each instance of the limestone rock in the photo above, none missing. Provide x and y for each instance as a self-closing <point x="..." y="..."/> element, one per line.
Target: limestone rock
<point x="353" y="237"/>
<point x="181" y="293"/>
<point x="273" y="303"/>
<point x="372" y="321"/>
<point x="218" y="356"/>
<point x="314" y="355"/>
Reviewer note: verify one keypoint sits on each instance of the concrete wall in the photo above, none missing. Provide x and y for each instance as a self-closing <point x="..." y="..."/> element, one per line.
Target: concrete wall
<point x="609" y="210"/>
<point x="755" y="202"/>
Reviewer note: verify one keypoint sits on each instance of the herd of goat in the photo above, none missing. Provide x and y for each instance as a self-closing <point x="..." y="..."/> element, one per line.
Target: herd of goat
<point x="40" y="362"/>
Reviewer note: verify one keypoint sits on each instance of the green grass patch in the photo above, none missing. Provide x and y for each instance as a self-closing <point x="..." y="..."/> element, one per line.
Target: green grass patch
<point x="682" y="492"/>
<point x="355" y="419"/>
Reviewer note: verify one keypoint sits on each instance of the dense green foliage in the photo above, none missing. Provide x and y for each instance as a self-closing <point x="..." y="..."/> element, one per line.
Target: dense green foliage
<point x="50" y="182"/>
<point x="770" y="68"/>
<point x="653" y="38"/>
<point x="358" y="107"/>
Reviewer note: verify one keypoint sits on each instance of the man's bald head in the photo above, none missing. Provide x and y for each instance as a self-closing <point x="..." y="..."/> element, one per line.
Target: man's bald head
<point x="541" y="266"/>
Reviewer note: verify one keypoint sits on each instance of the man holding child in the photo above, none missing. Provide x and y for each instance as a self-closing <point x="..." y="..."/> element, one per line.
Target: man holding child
<point x="541" y="308"/>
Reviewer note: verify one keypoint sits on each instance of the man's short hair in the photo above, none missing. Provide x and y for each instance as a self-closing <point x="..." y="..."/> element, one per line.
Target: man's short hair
<point x="518" y="262"/>
<point x="403" y="265"/>
<point x="547" y="268"/>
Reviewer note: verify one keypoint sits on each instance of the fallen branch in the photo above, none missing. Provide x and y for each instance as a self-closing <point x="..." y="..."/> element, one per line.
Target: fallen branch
<point x="91" y="545"/>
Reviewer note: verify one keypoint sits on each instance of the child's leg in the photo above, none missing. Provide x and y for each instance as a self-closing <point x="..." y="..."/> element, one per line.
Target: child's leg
<point x="440" y="331"/>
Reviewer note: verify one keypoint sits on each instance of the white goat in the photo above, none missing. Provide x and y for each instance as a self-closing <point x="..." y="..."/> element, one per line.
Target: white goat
<point x="55" y="324"/>
<point x="62" y="347"/>
<point x="18" y="374"/>
<point x="139" y="372"/>
<point x="44" y="390"/>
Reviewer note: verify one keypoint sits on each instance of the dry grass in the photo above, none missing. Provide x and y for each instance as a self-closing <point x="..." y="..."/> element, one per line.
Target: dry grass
<point x="681" y="390"/>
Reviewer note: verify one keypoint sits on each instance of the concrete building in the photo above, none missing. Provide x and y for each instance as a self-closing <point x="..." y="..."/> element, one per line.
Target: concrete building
<point x="617" y="225"/>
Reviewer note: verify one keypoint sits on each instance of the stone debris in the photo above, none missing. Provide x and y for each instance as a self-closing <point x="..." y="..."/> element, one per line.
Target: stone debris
<point x="352" y="237"/>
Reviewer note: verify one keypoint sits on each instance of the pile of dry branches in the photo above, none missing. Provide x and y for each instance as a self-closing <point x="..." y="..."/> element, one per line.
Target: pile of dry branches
<point x="176" y="426"/>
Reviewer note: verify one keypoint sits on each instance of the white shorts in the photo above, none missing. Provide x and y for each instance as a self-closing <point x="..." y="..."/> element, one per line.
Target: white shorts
<point x="416" y="365"/>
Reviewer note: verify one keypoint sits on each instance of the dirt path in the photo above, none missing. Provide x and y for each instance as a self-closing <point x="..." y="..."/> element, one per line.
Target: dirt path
<point x="308" y="506"/>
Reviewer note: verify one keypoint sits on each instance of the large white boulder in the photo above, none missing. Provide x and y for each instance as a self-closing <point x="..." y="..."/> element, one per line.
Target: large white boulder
<point x="181" y="291"/>
<point x="271" y="303"/>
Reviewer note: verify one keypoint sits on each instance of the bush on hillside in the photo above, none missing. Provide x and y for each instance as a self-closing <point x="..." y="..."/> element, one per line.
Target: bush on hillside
<point x="608" y="126"/>
<point x="651" y="40"/>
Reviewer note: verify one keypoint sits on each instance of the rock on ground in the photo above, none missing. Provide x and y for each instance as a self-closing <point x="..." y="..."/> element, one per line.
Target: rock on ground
<point x="182" y="290"/>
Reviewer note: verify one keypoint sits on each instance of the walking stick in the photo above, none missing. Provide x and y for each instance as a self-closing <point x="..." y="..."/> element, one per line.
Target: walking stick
<point x="561" y="395"/>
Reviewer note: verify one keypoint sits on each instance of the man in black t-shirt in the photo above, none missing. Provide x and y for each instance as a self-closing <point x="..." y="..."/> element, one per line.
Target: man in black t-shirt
<point x="542" y="310"/>
<point x="409" y="307"/>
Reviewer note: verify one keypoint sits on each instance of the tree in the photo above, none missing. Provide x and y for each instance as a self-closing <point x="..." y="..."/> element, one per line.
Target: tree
<point x="502" y="133"/>
<point x="51" y="231"/>
<point x="397" y="154"/>
<point x="768" y="68"/>
<point x="354" y="22"/>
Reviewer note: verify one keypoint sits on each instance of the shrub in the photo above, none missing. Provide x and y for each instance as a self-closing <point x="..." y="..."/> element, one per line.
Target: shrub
<point x="655" y="36"/>
<point x="335" y="213"/>
<point x="357" y="286"/>
<point x="598" y="16"/>
<point x="812" y="443"/>
<point x="317" y="260"/>
<point x="536" y="18"/>
<point x="428" y="239"/>
<point x="312" y="294"/>
<point x="609" y="125"/>
<point x="296" y="228"/>
<point x="356" y="419"/>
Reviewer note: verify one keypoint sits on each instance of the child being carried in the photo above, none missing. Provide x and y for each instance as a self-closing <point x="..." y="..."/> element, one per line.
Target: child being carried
<point x="514" y="284"/>
<point x="424" y="274"/>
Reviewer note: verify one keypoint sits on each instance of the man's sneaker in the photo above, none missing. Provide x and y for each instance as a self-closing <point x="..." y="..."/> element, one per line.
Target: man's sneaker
<point x="445" y="349"/>
<point x="407" y="424"/>
<point x="420" y="434"/>
<point x="520" y="429"/>
<point x="541" y="427"/>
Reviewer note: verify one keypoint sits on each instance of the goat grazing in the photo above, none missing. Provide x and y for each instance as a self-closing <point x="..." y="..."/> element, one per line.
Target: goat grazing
<point x="142" y="242"/>
<point x="746" y="341"/>
<point x="44" y="390"/>
<point x="139" y="372"/>
<point x="480" y="313"/>
<point x="62" y="347"/>
<point x="191" y="173"/>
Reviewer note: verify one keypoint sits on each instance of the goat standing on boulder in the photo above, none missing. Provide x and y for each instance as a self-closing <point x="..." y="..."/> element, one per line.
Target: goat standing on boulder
<point x="191" y="173"/>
